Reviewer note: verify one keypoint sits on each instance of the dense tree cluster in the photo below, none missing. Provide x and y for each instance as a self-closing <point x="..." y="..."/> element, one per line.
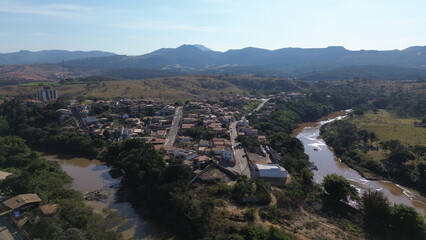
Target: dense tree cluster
<point x="200" y="132"/>
<point x="39" y="125"/>
<point x="161" y="189"/>
<point x="407" y="104"/>
<point x="384" y="221"/>
<point x="250" y="143"/>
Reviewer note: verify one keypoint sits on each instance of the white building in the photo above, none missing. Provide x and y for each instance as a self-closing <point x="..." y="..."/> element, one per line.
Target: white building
<point x="46" y="94"/>
<point x="243" y="123"/>
<point x="272" y="173"/>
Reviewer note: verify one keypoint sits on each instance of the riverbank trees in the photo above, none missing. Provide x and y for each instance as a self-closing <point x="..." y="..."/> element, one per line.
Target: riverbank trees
<point x="390" y="159"/>
<point x="338" y="188"/>
<point x="384" y="221"/>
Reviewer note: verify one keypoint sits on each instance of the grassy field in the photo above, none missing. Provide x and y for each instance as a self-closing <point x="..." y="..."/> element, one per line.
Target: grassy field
<point x="169" y="89"/>
<point x="166" y="89"/>
<point x="252" y="104"/>
<point x="40" y="84"/>
<point x="385" y="87"/>
<point x="387" y="127"/>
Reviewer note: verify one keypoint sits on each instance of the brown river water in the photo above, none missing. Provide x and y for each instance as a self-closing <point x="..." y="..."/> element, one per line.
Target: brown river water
<point x="89" y="175"/>
<point x="328" y="163"/>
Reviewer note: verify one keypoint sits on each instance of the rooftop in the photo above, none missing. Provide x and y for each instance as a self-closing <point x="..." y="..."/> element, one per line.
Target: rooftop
<point x="271" y="170"/>
<point x="20" y="200"/>
<point x="4" y="175"/>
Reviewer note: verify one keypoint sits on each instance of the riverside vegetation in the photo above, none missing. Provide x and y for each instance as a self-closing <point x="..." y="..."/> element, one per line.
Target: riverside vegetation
<point x="38" y="126"/>
<point x="389" y="147"/>
<point x="31" y="174"/>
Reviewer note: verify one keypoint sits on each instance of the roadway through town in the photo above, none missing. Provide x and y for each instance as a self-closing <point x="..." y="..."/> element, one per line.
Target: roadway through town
<point x="80" y="122"/>
<point x="170" y="140"/>
<point x="241" y="163"/>
<point x="7" y="231"/>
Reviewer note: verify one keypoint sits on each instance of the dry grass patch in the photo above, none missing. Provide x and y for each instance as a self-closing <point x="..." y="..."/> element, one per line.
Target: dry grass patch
<point x="388" y="127"/>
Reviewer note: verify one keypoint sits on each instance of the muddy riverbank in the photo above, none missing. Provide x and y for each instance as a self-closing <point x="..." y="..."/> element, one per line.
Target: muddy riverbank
<point x="92" y="178"/>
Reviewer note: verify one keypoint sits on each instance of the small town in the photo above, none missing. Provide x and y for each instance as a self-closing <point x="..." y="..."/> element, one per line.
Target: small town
<point x="202" y="132"/>
<point x="206" y="134"/>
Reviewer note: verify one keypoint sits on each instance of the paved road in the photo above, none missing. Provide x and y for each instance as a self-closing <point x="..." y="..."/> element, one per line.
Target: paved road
<point x="76" y="114"/>
<point x="261" y="104"/>
<point x="7" y="231"/>
<point x="170" y="140"/>
<point x="264" y="100"/>
<point x="241" y="163"/>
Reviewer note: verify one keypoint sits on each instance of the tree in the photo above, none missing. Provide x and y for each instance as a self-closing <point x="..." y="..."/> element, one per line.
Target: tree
<point x="338" y="188"/>
<point x="400" y="155"/>
<point x="4" y="126"/>
<point x="46" y="229"/>
<point x="406" y="223"/>
<point x="376" y="211"/>
<point x="71" y="234"/>
<point x="421" y="169"/>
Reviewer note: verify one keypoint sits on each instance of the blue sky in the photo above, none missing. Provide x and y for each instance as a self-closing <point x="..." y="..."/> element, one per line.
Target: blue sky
<point x="135" y="27"/>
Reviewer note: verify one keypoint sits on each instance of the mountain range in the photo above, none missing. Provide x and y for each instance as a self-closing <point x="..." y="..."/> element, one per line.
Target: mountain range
<point x="47" y="56"/>
<point x="331" y="63"/>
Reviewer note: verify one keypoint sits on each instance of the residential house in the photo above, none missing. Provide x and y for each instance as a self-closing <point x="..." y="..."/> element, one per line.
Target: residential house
<point x="243" y="123"/>
<point x="204" y="143"/>
<point x="22" y="202"/>
<point x="185" y="138"/>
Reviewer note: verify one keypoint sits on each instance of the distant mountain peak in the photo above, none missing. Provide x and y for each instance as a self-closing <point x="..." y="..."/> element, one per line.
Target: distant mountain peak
<point x="337" y="47"/>
<point x="192" y="46"/>
<point x="202" y="47"/>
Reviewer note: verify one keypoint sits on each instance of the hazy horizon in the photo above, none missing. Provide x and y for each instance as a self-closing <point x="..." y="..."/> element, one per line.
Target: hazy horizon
<point x="212" y="49"/>
<point x="139" y="27"/>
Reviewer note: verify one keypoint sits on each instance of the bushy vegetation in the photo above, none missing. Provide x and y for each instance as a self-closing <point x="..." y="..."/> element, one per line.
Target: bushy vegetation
<point x="274" y="214"/>
<point x="258" y="233"/>
<point x="249" y="190"/>
<point x="250" y="143"/>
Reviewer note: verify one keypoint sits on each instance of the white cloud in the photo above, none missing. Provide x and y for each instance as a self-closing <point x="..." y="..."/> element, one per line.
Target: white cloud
<point x="65" y="10"/>
<point x="67" y="7"/>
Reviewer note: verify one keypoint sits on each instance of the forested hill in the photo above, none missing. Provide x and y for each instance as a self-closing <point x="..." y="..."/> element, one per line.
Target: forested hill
<point x="331" y="63"/>
<point x="314" y="64"/>
<point x="47" y="56"/>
